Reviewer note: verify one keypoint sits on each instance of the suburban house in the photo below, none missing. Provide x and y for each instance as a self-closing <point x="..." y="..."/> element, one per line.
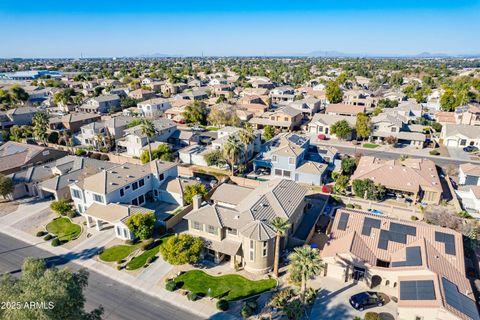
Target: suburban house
<point x="141" y="94"/>
<point x="73" y="121"/>
<point x="392" y="124"/>
<point x="409" y="109"/>
<point x="15" y="156"/>
<point x="236" y="226"/>
<point x="469" y="188"/>
<point x="414" y="179"/>
<point x="321" y="124"/>
<point x="17" y="116"/>
<point x="460" y="135"/>
<point x="342" y="109"/>
<point x="359" y="98"/>
<point x="134" y="140"/>
<point x="52" y="179"/>
<point x="101" y="104"/>
<point x="95" y="133"/>
<point x="308" y="106"/>
<point x="423" y="261"/>
<point x="173" y="88"/>
<point x="286" y="118"/>
<point x="153" y="108"/>
<point x="282" y="95"/>
<point x="469" y="114"/>
<point x="113" y="194"/>
<point x="291" y="156"/>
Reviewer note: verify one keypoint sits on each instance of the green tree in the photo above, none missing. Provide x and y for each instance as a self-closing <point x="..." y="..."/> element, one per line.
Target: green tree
<point x="214" y="158"/>
<point x="15" y="133"/>
<point x="341" y="183"/>
<point x="162" y="152"/>
<point x="268" y="132"/>
<point x="448" y="101"/>
<point x="362" y="126"/>
<point x="246" y="136"/>
<point x="341" y="129"/>
<point x="232" y="149"/>
<point x="305" y="263"/>
<point x="195" y="113"/>
<point x="61" y="207"/>
<point x="367" y="189"/>
<point x="142" y="224"/>
<point x="40" y="126"/>
<point x="387" y="103"/>
<point x="61" y="289"/>
<point x="127" y="102"/>
<point x="333" y="92"/>
<point x="280" y="226"/>
<point x="18" y="94"/>
<point x="396" y="79"/>
<point x="192" y="190"/>
<point x="348" y="165"/>
<point x="182" y="249"/>
<point x="6" y="186"/>
<point x="149" y="131"/>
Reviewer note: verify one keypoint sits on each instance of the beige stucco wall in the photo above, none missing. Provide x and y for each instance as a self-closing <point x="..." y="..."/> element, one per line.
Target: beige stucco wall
<point x="260" y="264"/>
<point x="409" y="313"/>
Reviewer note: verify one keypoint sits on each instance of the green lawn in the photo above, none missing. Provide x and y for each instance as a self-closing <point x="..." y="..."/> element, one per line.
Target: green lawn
<point x="229" y="287"/>
<point x="64" y="229"/>
<point x="370" y="145"/>
<point x="116" y="253"/>
<point x="141" y="260"/>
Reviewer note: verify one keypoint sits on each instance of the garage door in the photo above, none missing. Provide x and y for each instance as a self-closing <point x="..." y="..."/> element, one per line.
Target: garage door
<point x="452" y="143"/>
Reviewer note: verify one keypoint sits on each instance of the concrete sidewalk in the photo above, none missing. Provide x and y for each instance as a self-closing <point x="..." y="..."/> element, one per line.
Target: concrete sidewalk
<point x="83" y="253"/>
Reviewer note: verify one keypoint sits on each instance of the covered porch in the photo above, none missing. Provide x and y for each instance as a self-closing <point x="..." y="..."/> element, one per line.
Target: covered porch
<point x="225" y="250"/>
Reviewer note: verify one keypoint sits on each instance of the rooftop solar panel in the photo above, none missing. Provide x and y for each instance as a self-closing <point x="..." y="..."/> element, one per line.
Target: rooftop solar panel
<point x="342" y="222"/>
<point x="417" y="290"/>
<point x="448" y="240"/>
<point x="368" y="224"/>
<point x="413" y="258"/>
<point x="458" y="300"/>
<point x="403" y="229"/>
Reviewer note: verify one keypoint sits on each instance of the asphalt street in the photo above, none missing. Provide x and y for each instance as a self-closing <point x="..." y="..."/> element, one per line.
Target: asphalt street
<point x="119" y="301"/>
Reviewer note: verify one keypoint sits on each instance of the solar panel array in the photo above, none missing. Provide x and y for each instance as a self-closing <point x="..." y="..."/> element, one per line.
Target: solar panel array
<point x="448" y="240"/>
<point x="459" y="301"/>
<point x="368" y="224"/>
<point x="397" y="233"/>
<point x="342" y="222"/>
<point x="413" y="258"/>
<point x="417" y="290"/>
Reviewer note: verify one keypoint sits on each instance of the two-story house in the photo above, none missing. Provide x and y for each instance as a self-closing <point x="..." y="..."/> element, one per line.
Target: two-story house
<point x="393" y="124"/>
<point x="286" y="118"/>
<point x="153" y="108"/>
<point x="141" y="94"/>
<point x="73" y="121"/>
<point x="101" y="104"/>
<point x="469" y="188"/>
<point x="237" y="225"/>
<point x="321" y="124"/>
<point x="17" y="116"/>
<point x="282" y="95"/>
<point x="94" y="134"/>
<point x="308" y="106"/>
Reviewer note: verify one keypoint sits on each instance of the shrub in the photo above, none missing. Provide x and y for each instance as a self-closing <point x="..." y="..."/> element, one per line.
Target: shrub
<point x="56" y="242"/>
<point x="252" y="304"/>
<point x="192" y="296"/>
<point x="48" y="237"/>
<point x="41" y="233"/>
<point x="104" y="157"/>
<point x="357" y="206"/>
<point x="182" y="249"/>
<point x="326" y="189"/>
<point x="246" y="312"/>
<point x="95" y="156"/>
<point x="281" y="298"/>
<point x="434" y="152"/>
<point x="80" y="152"/>
<point x="119" y="267"/>
<point x="129" y="242"/>
<point x="350" y="206"/>
<point x="222" y="305"/>
<point x="413" y="218"/>
<point x="142" y="224"/>
<point x="147" y="244"/>
<point x="150" y="260"/>
<point x="372" y="316"/>
<point x="71" y="214"/>
<point x="171" y="285"/>
<point x="120" y="261"/>
<point x="61" y="207"/>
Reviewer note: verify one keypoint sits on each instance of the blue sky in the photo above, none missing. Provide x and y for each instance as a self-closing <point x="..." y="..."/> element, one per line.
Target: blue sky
<point x="66" y="28"/>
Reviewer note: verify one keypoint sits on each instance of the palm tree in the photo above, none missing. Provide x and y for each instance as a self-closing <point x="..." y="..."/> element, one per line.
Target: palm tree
<point x="40" y="123"/>
<point x="232" y="149"/>
<point x="247" y="137"/>
<point x="305" y="263"/>
<point x="280" y="226"/>
<point x="148" y="130"/>
<point x="99" y="140"/>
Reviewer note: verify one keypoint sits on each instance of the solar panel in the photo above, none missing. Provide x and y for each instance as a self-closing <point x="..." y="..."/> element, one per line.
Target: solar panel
<point x="413" y="258"/>
<point x="403" y="229"/>
<point x="383" y="239"/>
<point x="448" y="240"/>
<point x="368" y="224"/>
<point x="458" y="300"/>
<point x="417" y="290"/>
<point x="342" y="222"/>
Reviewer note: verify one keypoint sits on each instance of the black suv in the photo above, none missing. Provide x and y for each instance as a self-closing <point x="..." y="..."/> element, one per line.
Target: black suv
<point x="365" y="300"/>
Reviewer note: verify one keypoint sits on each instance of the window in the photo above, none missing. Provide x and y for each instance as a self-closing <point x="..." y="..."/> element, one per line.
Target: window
<point x="463" y="142"/>
<point x="264" y="248"/>
<point x="141" y="183"/>
<point x="251" y="255"/>
<point x="286" y="173"/>
<point x="320" y="129"/>
<point x="155" y="192"/>
<point x="197" y="225"/>
<point x="135" y="186"/>
<point x="212" y="229"/>
<point x="141" y="199"/>
<point x="80" y="208"/>
<point x="122" y="192"/>
<point x="278" y="172"/>
<point x="291" y="161"/>
<point x="161" y="176"/>
<point x="272" y="118"/>
<point x="285" y="118"/>
<point x="394" y="129"/>
<point x="274" y="158"/>
<point x="252" y="250"/>
<point x="75" y="194"/>
<point x="97" y="198"/>
<point x="127" y="187"/>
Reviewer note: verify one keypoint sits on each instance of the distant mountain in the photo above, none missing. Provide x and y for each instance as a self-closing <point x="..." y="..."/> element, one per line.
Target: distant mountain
<point x="431" y="55"/>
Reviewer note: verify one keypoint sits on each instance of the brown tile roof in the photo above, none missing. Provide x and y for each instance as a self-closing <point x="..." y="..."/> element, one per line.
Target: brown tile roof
<point x="470" y="168"/>
<point x="344" y="108"/>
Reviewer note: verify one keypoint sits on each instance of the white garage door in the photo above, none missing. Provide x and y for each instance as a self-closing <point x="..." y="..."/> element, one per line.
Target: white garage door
<point x="452" y="143"/>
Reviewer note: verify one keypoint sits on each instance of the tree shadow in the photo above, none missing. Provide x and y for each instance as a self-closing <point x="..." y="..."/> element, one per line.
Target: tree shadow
<point x="63" y="259"/>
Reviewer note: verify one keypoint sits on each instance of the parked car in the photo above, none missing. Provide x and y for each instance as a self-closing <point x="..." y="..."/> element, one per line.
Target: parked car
<point x="375" y="211"/>
<point x="470" y="149"/>
<point x="366" y="300"/>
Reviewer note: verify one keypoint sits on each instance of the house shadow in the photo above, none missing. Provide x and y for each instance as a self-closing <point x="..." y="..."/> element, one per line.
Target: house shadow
<point x="60" y="260"/>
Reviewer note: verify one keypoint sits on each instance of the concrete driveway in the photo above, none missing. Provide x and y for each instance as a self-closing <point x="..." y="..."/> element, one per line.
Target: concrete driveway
<point x="332" y="301"/>
<point x="458" y="153"/>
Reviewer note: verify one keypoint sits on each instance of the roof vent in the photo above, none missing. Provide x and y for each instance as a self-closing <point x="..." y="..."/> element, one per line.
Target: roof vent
<point x="236" y="217"/>
<point x="264" y="205"/>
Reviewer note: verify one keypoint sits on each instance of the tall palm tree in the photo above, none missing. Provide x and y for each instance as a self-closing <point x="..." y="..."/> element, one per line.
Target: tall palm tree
<point x="247" y="137"/>
<point x="148" y="129"/>
<point x="305" y="263"/>
<point x="99" y="140"/>
<point x="280" y="226"/>
<point x="40" y="126"/>
<point x="232" y="149"/>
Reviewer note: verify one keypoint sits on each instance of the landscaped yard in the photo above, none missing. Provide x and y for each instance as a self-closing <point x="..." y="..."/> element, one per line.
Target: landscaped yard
<point x="228" y="287"/>
<point x="64" y="229"/>
<point x="141" y="260"/>
<point x="117" y="253"/>
<point x="370" y="145"/>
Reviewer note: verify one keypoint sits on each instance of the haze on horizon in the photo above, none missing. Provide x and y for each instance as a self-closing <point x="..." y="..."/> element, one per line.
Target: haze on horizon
<point x="52" y="29"/>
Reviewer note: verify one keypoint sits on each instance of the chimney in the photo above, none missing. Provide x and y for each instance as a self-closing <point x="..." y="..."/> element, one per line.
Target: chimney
<point x="196" y="201"/>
